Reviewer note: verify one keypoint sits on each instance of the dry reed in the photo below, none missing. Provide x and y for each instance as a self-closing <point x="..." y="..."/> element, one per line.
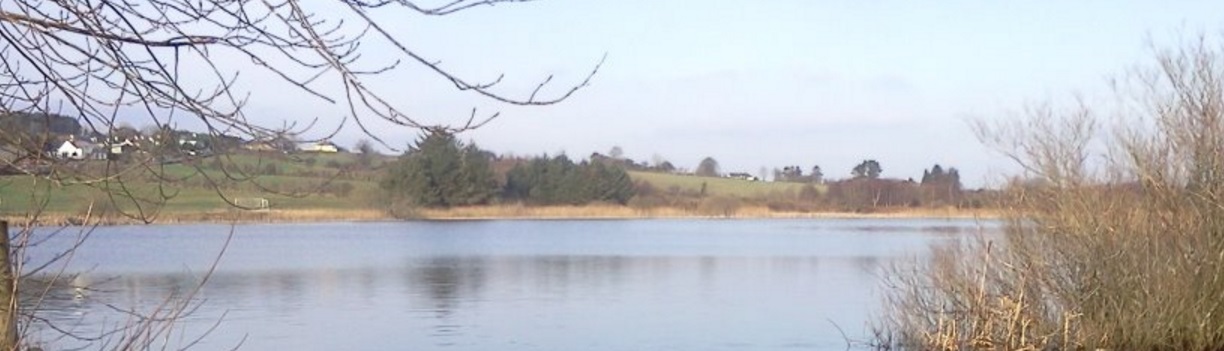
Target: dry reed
<point x="1127" y="254"/>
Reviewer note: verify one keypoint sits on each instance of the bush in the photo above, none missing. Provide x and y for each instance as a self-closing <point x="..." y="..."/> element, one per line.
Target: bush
<point x="809" y="193"/>
<point x="646" y="203"/>
<point x="1128" y="255"/>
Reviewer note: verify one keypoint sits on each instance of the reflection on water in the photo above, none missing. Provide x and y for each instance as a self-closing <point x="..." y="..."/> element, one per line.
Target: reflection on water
<point x="610" y="285"/>
<point x="893" y="228"/>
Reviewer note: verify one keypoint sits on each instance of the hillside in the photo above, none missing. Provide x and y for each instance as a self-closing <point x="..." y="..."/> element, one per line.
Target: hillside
<point x="304" y="181"/>
<point x="330" y="182"/>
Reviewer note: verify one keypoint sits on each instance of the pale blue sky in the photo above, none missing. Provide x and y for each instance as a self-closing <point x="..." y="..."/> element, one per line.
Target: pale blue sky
<point x="771" y="83"/>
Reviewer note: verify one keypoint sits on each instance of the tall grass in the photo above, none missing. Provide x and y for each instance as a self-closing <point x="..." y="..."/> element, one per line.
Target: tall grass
<point x="1122" y="254"/>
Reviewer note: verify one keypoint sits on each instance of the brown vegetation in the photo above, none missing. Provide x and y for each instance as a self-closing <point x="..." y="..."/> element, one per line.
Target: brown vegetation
<point x="1122" y="255"/>
<point x="232" y="215"/>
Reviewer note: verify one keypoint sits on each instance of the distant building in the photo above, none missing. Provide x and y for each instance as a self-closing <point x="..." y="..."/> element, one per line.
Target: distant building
<point x="322" y="147"/>
<point x="75" y="150"/>
<point x="744" y="176"/>
<point x="281" y="144"/>
<point x="259" y="146"/>
<point x="122" y="147"/>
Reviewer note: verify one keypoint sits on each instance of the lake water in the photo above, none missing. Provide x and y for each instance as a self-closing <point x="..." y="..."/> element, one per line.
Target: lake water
<point x="498" y="285"/>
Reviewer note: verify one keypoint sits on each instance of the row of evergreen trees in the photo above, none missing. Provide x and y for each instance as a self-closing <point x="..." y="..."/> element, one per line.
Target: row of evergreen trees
<point x="558" y="180"/>
<point x="440" y="171"/>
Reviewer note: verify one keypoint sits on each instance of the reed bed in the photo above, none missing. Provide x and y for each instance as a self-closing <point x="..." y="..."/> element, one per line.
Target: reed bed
<point x="513" y="211"/>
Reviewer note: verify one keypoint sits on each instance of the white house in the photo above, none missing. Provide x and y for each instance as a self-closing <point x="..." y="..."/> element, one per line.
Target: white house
<point x="744" y="176"/>
<point x="75" y="150"/>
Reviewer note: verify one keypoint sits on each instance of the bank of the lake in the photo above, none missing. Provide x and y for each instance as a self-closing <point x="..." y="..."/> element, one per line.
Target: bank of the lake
<point x="491" y="212"/>
<point x="624" y="212"/>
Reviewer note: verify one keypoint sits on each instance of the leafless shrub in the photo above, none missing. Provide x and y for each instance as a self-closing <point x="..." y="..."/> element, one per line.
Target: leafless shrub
<point x="646" y="204"/>
<point x="1126" y="254"/>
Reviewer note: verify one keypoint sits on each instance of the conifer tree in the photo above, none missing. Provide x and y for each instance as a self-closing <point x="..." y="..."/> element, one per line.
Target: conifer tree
<point x="440" y="172"/>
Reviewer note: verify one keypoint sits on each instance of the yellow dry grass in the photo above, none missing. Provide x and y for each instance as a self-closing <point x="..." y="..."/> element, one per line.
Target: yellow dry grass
<point x="612" y="211"/>
<point x="222" y="216"/>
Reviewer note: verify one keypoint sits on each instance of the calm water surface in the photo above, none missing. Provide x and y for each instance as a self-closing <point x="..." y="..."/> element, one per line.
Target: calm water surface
<point x="501" y="285"/>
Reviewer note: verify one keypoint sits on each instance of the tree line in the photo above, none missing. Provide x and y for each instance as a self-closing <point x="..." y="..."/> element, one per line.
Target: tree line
<point x="866" y="189"/>
<point x="440" y="171"/>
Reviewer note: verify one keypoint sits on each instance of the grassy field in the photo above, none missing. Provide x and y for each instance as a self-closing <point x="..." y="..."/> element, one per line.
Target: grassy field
<point x="717" y="186"/>
<point x="189" y="192"/>
<point x="20" y="195"/>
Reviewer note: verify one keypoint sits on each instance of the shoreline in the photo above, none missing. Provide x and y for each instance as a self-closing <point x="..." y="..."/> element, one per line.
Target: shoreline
<point x="624" y="212"/>
<point x="496" y="212"/>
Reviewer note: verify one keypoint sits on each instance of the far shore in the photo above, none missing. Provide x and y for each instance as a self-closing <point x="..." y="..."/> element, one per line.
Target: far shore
<point x="623" y="212"/>
<point x="495" y="212"/>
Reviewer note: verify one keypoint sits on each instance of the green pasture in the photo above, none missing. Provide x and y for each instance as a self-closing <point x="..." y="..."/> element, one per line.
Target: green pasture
<point x="718" y="186"/>
<point x="189" y="187"/>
